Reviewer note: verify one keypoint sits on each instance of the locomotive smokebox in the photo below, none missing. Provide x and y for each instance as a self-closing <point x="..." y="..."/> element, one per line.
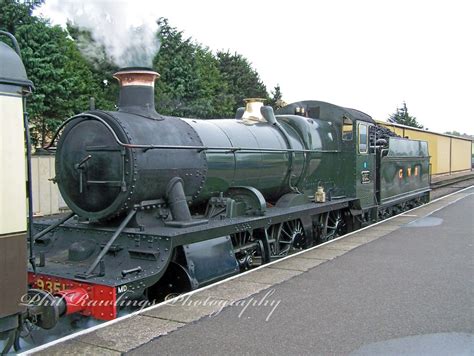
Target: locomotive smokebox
<point x="137" y="91"/>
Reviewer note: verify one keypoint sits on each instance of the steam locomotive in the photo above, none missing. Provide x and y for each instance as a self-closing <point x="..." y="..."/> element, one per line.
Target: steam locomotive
<point x="162" y="205"/>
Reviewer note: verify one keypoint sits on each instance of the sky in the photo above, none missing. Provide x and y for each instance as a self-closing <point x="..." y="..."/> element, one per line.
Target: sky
<point x="370" y="55"/>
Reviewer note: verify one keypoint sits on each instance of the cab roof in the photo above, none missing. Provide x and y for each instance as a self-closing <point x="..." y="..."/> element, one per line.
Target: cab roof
<point x="324" y="111"/>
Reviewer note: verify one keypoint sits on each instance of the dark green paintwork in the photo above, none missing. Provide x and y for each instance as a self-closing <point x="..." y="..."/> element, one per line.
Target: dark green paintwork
<point x="265" y="171"/>
<point x="351" y="173"/>
<point x="403" y="156"/>
<point x="365" y="165"/>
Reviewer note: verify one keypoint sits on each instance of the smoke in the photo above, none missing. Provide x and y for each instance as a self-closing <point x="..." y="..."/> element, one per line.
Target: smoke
<point x="129" y="38"/>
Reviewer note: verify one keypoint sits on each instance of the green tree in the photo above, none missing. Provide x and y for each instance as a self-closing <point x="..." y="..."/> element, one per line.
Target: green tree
<point x="402" y="117"/>
<point x="457" y="133"/>
<point x="68" y="67"/>
<point x="242" y="80"/>
<point x="195" y="82"/>
<point x="191" y="83"/>
<point x="62" y="78"/>
<point x="276" y="99"/>
<point x="210" y="97"/>
<point x="15" y="13"/>
<point x="101" y="66"/>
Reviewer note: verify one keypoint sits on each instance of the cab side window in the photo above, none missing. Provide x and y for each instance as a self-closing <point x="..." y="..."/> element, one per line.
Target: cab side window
<point x="347" y="128"/>
<point x="363" y="136"/>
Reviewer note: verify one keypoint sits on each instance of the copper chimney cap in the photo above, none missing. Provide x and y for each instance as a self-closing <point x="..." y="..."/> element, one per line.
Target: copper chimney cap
<point x="136" y="76"/>
<point x="137" y="91"/>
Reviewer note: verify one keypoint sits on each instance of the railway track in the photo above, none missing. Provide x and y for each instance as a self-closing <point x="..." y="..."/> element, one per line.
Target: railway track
<point x="449" y="186"/>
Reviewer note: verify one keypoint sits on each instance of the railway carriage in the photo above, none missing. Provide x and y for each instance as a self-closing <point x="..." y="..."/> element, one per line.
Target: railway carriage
<point x="14" y="86"/>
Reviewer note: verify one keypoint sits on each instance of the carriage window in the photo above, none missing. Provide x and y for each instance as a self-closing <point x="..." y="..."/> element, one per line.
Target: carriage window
<point x="346" y="129"/>
<point x="362" y="138"/>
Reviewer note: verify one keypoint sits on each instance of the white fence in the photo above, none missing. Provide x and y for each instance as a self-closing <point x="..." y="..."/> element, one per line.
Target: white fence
<point x="46" y="197"/>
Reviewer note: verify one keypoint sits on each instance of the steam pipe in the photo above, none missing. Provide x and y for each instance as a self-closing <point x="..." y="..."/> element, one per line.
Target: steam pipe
<point x="177" y="200"/>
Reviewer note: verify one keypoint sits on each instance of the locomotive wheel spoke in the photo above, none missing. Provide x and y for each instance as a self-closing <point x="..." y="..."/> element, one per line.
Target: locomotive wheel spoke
<point x="287" y="234"/>
<point x="284" y="237"/>
<point x="335" y="226"/>
<point x="246" y="250"/>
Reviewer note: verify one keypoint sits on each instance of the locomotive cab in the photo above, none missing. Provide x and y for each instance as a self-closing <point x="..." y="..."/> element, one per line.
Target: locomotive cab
<point x="339" y="129"/>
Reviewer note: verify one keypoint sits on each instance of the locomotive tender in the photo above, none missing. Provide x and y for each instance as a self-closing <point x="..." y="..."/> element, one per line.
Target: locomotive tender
<point x="163" y="204"/>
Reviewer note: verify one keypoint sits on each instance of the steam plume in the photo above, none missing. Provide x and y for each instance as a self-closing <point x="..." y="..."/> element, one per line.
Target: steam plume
<point x="129" y="39"/>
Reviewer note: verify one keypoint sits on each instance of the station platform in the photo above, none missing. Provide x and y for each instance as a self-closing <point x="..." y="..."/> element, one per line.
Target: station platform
<point x="401" y="286"/>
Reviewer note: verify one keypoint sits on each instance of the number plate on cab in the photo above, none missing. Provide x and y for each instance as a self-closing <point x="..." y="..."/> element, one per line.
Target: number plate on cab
<point x="365" y="178"/>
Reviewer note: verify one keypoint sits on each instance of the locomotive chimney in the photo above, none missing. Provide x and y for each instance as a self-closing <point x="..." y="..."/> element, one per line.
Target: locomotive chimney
<point x="137" y="91"/>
